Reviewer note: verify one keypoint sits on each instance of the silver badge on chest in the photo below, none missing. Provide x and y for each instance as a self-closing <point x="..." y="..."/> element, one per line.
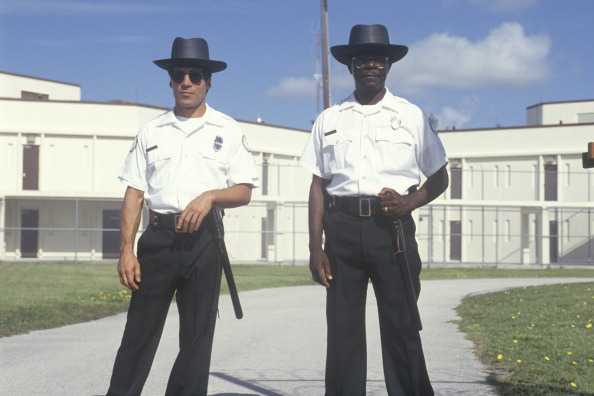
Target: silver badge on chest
<point x="396" y="121"/>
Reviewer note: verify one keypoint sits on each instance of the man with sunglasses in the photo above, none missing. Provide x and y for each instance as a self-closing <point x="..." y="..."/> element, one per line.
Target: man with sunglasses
<point x="182" y="164"/>
<point x="367" y="154"/>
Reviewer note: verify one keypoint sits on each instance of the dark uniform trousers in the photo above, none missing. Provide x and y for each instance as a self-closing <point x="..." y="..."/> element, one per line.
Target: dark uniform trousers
<point x="360" y="249"/>
<point x="186" y="265"/>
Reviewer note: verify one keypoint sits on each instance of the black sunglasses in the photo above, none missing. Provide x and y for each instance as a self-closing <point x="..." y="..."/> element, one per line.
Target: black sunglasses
<point x="379" y="61"/>
<point x="178" y="76"/>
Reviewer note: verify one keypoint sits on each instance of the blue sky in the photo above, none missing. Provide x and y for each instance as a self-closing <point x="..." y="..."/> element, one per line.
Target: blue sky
<point x="471" y="63"/>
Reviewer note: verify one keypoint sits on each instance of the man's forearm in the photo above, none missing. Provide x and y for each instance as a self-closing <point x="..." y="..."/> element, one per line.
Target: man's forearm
<point x="433" y="187"/>
<point x="316" y="213"/>
<point x="130" y="219"/>
<point x="231" y="197"/>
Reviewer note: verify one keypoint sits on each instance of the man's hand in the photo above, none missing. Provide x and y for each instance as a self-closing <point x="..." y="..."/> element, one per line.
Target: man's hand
<point x="394" y="204"/>
<point x="129" y="270"/>
<point x="319" y="265"/>
<point x="194" y="213"/>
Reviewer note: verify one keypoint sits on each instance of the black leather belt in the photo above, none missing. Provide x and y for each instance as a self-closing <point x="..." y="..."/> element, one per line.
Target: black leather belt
<point x="359" y="206"/>
<point x="164" y="220"/>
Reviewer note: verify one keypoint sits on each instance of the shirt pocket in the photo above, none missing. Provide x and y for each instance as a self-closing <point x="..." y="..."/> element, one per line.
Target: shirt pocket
<point x="336" y="147"/>
<point x="395" y="148"/>
<point x="215" y="161"/>
<point x="159" y="167"/>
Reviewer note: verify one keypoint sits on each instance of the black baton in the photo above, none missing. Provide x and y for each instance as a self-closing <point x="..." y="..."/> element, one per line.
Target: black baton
<point x="399" y="253"/>
<point x="219" y="236"/>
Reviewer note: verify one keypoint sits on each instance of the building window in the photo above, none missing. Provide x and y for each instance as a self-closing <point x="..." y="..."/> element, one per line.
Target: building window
<point x="33" y="96"/>
<point x="456" y="178"/>
<point x="30" y="167"/>
<point x="550" y="186"/>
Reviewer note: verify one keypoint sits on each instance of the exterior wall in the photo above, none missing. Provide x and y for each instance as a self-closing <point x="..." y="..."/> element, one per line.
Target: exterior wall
<point x="561" y="113"/>
<point x="11" y="86"/>
<point x="504" y="212"/>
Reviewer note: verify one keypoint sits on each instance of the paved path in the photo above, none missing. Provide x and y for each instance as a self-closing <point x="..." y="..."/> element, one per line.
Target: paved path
<point x="278" y="349"/>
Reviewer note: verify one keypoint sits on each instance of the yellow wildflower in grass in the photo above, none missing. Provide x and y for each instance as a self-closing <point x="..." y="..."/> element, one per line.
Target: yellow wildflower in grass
<point x="519" y="360"/>
<point x="574" y="363"/>
<point x="573" y="384"/>
<point x="499" y="357"/>
<point x="589" y="326"/>
<point x="515" y="341"/>
<point x="547" y="358"/>
<point x="570" y="353"/>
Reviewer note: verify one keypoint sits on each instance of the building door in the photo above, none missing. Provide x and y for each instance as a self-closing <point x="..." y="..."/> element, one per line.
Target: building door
<point x="111" y="234"/>
<point x="30" y="167"/>
<point x="455" y="240"/>
<point x="30" y="235"/>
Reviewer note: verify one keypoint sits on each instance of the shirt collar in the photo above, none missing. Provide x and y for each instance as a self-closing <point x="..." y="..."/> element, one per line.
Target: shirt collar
<point x="388" y="102"/>
<point x="209" y="118"/>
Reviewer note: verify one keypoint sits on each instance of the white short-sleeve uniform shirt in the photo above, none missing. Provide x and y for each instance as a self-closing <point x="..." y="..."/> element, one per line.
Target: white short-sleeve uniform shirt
<point x="173" y="160"/>
<point x="362" y="149"/>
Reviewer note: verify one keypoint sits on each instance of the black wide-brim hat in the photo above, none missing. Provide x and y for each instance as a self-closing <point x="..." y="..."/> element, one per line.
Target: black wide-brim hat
<point x="191" y="52"/>
<point x="368" y="38"/>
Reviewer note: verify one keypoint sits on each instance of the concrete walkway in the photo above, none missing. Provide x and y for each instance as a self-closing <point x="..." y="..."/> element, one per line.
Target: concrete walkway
<point x="277" y="349"/>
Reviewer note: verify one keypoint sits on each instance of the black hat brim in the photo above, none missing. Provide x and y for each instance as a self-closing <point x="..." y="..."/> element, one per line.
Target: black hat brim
<point x="212" y="65"/>
<point x="344" y="53"/>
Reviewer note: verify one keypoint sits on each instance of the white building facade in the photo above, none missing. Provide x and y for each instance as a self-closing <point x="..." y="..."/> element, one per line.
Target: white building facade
<point x="517" y="195"/>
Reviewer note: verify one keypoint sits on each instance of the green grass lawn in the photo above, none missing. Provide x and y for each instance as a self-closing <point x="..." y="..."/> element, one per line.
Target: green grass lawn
<point x="536" y="340"/>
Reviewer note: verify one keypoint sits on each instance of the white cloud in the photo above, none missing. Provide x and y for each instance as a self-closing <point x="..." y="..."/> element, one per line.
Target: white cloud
<point x="505" y="59"/>
<point x="456" y="117"/>
<point x="294" y="88"/>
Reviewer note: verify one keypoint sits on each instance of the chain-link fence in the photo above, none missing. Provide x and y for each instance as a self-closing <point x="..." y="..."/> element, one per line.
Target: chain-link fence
<point x="276" y="232"/>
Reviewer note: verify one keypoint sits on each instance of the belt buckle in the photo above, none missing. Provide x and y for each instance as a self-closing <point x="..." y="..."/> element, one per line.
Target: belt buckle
<point x="364" y="207"/>
<point x="175" y="221"/>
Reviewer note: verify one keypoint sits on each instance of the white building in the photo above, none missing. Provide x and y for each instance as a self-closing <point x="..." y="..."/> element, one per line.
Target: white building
<point x="59" y="197"/>
<point x="518" y="195"/>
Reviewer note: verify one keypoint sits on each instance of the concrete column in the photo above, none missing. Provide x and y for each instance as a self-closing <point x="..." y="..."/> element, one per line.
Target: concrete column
<point x="543" y="228"/>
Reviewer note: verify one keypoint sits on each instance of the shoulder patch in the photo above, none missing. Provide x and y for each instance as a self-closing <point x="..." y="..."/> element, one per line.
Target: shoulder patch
<point x="433" y="124"/>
